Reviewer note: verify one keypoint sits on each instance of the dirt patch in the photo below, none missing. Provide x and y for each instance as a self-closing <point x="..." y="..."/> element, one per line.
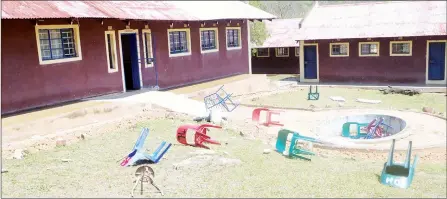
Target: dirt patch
<point x="77" y="126"/>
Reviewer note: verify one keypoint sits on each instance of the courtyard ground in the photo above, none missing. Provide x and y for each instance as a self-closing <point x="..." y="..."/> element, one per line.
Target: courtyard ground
<point x="237" y="168"/>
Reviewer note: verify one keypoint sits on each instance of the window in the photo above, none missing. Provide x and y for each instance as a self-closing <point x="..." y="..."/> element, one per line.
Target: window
<point x="233" y="38"/>
<point x="297" y="51"/>
<point x="369" y="49"/>
<point x="262" y="52"/>
<point x="148" y="54"/>
<point x="400" y="48"/>
<point x="209" y="40"/>
<point x="179" y="42"/>
<point x="282" y="52"/>
<point x="110" y="41"/>
<point x="339" y="49"/>
<point x="58" y="43"/>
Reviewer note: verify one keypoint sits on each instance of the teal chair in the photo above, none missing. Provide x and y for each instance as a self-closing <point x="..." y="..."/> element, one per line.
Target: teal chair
<point x="294" y="151"/>
<point x="313" y="95"/>
<point x="347" y="127"/>
<point x="398" y="175"/>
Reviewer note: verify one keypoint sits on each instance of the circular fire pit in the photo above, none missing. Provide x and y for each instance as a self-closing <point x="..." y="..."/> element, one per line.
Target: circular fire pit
<point x="361" y="128"/>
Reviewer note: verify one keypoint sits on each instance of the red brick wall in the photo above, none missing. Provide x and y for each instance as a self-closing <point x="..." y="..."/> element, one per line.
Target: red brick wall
<point x="384" y="68"/>
<point x="26" y="84"/>
<point x="177" y="71"/>
<point x="276" y="65"/>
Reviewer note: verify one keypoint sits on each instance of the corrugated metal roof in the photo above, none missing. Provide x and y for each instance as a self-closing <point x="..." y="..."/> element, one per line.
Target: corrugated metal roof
<point x="282" y="33"/>
<point x="369" y="20"/>
<point x="143" y="10"/>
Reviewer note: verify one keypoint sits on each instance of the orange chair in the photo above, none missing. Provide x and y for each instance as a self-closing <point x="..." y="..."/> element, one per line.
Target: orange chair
<point x="257" y="112"/>
<point x="200" y="136"/>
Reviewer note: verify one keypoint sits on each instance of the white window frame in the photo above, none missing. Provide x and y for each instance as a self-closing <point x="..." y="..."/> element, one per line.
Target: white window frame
<point x="401" y="42"/>
<point x="216" y="40"/>
<point x="77" y="43"/>
<point x="297" y="51"/>
<point x="144" y="31"/>
<point x="188" y="38"/>
<point x="369" y="55"/>
<point x="288" y="52"/>
<point x="341" y="43"/>
<point x="113" y="45"/>
<point x="239" y="38"/>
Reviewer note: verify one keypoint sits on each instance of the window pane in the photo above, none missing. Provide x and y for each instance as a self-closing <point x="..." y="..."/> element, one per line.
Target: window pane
<point x="57" y="53"/>
<point x="43" y="34"/>
<point x="373" y="48"/>
<point x="46" y="54"/>
<point x="56" y="44"/>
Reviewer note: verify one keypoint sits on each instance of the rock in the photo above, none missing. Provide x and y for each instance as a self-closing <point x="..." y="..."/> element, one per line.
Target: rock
<point x="18" y="154"/>
<point x="427" y="110"/>
<point x="66" y="160"/>
<point x="61" y="142"/>
<point x="267" y="151"/>
<point x="82" y="137"/>
<point x="4" y="171"/>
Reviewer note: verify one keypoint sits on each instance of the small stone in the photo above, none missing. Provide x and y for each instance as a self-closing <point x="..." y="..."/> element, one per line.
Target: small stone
<point x="4" y="171"/>
<point x="18" y="154"/>
<point x="267" y="151"/>
<point x="427" y="110"/>
<point x="66" y="160"/>
<point x="82" y="136"/>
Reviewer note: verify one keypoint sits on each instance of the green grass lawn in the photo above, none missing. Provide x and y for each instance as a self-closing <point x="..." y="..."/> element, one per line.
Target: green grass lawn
<point x="94" y="171"/>
<point x="298" y="99"/>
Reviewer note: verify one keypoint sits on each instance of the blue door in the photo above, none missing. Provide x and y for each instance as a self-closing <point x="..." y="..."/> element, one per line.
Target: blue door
<point x="310" y="62"/>
<point x="134" y="62"/>
<point x="436" y="61"/>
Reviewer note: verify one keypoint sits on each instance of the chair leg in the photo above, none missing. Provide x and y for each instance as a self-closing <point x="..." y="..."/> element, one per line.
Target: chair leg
<point x="137" y="180"/>
<point x="153" y="184"/>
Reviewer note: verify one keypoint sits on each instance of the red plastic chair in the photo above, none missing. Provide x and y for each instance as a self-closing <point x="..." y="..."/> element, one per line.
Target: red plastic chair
<point x="257" y="112"/>
<point x="200" y="136"/>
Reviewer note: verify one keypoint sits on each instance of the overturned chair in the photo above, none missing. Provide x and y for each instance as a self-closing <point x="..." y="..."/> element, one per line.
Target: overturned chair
<point x="313" y="95"/>
<point x="346" y="130"/>
<point x="200" y="136"/>
<point x="219" y="100"/>
<point x="295" y="150"/>
<point x="144" y="173"/>
<point x="268" y="120"/>
<point x="398" y="175"/>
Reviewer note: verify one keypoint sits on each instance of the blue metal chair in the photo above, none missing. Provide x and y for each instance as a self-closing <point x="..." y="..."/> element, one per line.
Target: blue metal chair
<point x="219" y="100"/>
<point x="137" y="155"/>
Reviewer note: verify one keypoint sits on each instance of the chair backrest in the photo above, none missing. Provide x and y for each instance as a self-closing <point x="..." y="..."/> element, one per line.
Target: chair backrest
<point x="140" y="141"/>
<point x="281" y="140"/>
<point x="257" y="112"/>
<point x="160" y="151"/>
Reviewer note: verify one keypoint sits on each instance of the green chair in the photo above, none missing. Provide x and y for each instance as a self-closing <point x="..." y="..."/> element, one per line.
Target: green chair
<point x="294" y="151"/>
<point x="313" y="95"/>
<point x="347" y="128"/>
<point x="398" y="175"/>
